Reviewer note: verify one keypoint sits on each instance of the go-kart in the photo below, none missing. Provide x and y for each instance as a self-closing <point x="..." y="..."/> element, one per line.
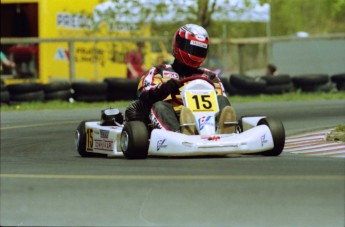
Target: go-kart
<point x="136" y="140"/>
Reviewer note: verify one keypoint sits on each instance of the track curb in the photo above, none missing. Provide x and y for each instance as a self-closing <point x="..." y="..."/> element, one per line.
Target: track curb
<point x="314" y="143"/>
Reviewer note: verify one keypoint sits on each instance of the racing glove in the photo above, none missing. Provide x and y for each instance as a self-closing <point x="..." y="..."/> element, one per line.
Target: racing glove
<point x="172" y="86"/>
<point x="162" y="91"/>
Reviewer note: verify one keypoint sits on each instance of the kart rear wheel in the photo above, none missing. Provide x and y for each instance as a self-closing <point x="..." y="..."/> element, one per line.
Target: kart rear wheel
<point x="278" y="133"/>
<point x="80" y="142"/>
<point x="135" y="140"/>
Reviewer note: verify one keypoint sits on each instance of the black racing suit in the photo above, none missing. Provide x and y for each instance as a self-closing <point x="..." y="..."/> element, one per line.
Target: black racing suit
<point x="155" y="104"/>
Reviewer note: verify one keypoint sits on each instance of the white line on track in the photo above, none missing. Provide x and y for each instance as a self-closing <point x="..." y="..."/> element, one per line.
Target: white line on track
<point x="174" y="177"/>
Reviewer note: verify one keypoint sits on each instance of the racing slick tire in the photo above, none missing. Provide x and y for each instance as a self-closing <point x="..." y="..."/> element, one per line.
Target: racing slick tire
<point x="278" y="133"/>
<point x="135" y="140"/>
<point x="80" y="142"/>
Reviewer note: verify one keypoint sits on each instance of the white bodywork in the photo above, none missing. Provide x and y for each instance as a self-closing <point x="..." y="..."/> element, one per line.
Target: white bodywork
<point x="176" y="144"/>
<point x="253" y="138"/>
<point x="106" y="140"/>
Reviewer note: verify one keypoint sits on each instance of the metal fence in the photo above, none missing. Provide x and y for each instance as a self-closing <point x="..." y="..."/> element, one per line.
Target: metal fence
<point x="243" y="56"/>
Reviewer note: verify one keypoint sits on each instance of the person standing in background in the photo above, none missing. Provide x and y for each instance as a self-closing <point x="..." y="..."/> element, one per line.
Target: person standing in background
<point x="134" y="61"/>
<point x="271" y="70"/>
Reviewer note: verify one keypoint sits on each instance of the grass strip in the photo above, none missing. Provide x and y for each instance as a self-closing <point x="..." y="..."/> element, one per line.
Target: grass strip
<point x="286" y="97"/>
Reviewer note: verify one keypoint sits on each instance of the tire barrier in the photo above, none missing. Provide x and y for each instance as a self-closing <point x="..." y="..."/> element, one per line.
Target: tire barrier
<point x="277" y="80"/>
<point x="26" y="92"/>
<point x="28" y="96"/>
<point x="89" y="92"/>
<point x="117" y="89"/>
<point x="57" y="91"/>
<point x="339" y="80"/>
<point x="310" y="82"/>
<point x="4" y="94"/>
<point x="326" y="87"/>
<point x="279" y="88"/>
<point x="121" y="88"/>
<point x="226" y="84"/>
<point x="58" y="95"/>
<point x="278" y="84"/>
<point x="246" y="85"/>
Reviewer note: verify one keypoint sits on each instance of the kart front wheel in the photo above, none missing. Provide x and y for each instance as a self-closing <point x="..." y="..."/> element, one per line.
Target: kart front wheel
<point x="278" y="133"/>
<point x="135" y="140"/>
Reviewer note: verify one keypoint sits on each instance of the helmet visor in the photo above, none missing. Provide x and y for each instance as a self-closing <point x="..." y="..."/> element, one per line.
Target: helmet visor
<point x="192" y="47"/>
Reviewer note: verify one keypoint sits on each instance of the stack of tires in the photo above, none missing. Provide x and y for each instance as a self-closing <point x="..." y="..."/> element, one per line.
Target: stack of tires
<point x="90" y="92"/>
<point x="25" y="92"/>
<point x="121" y="88"/>
<point x="4" y="95"/>
<point x="313" y="83"/>
<point x="57" y="91"/>
<point x="246" y="85"/>
<point x="339" y="80"/>
<point x="278" y="84"/>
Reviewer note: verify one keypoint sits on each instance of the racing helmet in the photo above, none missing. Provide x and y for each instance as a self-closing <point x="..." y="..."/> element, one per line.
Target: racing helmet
<point x="190" y="45"/>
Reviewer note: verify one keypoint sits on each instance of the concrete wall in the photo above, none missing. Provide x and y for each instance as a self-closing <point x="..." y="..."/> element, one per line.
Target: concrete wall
<point x="305" y="56"/>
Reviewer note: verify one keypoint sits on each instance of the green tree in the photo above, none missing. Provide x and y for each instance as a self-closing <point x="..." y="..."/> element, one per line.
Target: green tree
<point x="312" y="16"/>
<point x="191" y="11"/>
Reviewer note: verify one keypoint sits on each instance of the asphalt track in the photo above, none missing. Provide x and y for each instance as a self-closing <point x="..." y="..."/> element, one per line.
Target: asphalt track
<point x="45" y="183"/>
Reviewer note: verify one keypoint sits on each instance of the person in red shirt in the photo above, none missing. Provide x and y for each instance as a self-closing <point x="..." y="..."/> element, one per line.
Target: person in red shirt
<point x="134" y="61"/>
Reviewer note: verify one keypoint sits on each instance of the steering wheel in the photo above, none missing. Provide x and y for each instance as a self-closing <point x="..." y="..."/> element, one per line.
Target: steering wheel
<point x="187" y="79"/>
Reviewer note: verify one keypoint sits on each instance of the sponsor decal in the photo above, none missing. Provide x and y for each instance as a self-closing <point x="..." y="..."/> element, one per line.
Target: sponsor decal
<point x="214" y="138"/>
<point x="203" y="121"/>
<point x="211" y="138"/>
<point x="199" y="44"/>
<point x="199" y="92"/>
<point x="89" y="139"/>
<point x="104" y="145"/>
<point x="263" y="140"/>
<point x="61" y="54"/>
<point x="160" y="144"/>
<point x="72" y="21"/>
<point x="168" y="74"/>
<point x="104" y="134"/>
<point x="200" y="37"/>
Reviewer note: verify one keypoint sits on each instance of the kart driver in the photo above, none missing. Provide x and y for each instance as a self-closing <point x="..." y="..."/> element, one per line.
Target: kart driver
<point x="155" y="104"/>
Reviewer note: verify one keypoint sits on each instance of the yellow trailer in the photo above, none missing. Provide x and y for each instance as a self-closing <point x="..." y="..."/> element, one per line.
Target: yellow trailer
<point x="55" y="19"/>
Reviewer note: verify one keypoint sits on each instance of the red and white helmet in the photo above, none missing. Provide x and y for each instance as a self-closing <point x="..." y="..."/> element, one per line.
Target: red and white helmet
<point x="190" y="45"/>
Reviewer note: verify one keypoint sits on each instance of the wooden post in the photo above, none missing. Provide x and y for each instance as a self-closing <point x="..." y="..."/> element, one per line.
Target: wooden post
<point x="71" y="61"/>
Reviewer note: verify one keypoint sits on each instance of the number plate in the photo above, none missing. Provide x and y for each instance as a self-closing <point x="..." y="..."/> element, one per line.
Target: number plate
<point x="89" y="139"/>
<point x="202" y="101"/>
